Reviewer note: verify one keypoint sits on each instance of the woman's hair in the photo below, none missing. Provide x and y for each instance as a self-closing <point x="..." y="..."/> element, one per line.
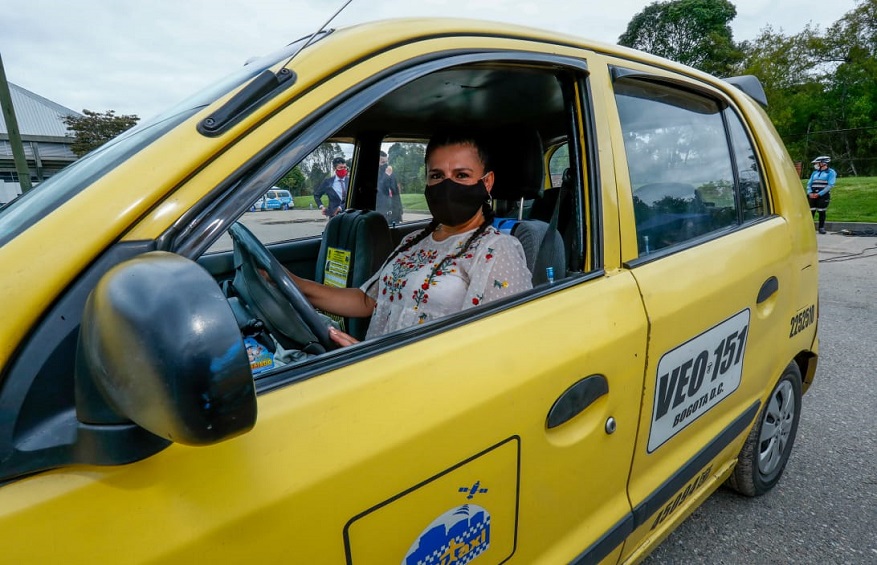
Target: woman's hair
<point x="443" y="139"/>
<point x="459" y="137"/>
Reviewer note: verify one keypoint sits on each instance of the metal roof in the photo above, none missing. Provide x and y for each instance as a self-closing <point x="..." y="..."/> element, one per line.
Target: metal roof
<point x="36" y="115"/>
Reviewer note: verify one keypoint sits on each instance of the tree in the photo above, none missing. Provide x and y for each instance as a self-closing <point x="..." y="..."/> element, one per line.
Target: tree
<point x="850" y="109"/>
<point x="294" y="182"/>
<point x="692" y="32"/>
<point x="821" y="85"/>
<point x="408" y="166"/>
<point x="321" y="158"/>
<point x="93" y="129"/>
<point x="318" y="164"/>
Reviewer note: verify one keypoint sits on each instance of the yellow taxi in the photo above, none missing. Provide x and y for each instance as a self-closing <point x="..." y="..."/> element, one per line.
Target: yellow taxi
<point x="168" y="396"/>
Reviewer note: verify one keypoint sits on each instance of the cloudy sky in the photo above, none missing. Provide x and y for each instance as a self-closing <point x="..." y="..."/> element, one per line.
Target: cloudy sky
<point x="141" y="57"/>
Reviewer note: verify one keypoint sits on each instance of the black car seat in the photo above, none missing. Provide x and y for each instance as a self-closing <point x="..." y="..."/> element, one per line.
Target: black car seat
<point x="355" y="245"/>
<point x="516" y="158"/>
<point x="556" y="206"/>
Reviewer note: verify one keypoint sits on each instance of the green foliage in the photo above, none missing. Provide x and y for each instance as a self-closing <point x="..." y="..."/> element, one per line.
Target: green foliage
<point x="692" y="32"/>
<point x="294" y="182"/>
<point x="318" y="165"/>
<point x="407" y="162"/>
<point x="821" y="83"/>
<point x="93" y="129"/>
<point x="822" y="88"/>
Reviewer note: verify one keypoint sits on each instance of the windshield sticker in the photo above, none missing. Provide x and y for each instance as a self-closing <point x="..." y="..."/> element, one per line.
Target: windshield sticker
<point x="696" y="376"/>
<point x="456" y="537"/>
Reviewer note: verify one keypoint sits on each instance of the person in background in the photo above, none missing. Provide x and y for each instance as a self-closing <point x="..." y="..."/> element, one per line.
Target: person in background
<point x="396" y="201"/>
<point x="334" y="188"/>
<point x="458" y="261"/>
<point x="819" y="188"/>
<point x="388" y="201"/>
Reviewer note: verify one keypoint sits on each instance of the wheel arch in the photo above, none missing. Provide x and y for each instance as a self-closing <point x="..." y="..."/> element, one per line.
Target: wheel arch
<point x="806" y="361"/>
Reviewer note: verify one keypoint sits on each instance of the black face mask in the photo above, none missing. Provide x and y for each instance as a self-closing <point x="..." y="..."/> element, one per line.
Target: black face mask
<point x="452" y="203"/>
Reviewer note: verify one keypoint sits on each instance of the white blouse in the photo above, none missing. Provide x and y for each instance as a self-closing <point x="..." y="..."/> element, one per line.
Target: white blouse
<point x="427" y="281"/>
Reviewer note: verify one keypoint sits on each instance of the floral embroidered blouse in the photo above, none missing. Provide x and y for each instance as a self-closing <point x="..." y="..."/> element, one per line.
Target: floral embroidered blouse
<point x="426" y="282"/>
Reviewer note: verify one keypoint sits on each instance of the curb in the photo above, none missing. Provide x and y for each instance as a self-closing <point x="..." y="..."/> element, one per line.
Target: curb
<point x="851" y="228"/>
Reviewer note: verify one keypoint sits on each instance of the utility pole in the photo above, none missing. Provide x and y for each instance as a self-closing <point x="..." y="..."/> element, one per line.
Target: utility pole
<point x="14" y="135"/>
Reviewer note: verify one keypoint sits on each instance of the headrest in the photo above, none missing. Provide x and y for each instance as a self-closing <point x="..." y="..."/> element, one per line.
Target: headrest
<point x="516" y="159"/>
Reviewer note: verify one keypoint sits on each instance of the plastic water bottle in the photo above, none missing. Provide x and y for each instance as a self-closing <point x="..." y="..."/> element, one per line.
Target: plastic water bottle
<point x="549" y="274"/>
<point x="646" y="238"/>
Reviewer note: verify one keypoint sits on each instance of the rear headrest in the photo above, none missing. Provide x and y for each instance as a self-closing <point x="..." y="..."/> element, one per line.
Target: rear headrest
<point x="516" y="159"/>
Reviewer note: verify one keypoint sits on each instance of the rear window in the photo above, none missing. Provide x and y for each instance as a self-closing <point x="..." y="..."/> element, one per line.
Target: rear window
<point x="688" y="178"/>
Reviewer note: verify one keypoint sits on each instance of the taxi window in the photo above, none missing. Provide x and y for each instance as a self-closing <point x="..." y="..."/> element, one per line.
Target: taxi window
<point x="752" y="200"/>
<point x="558" y="164"/>
<point x="682" y="175"/>
<point x="304" y="219"/>
<point x="400" y="182"/>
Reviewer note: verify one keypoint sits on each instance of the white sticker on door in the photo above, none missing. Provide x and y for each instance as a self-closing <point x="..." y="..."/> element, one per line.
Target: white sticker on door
<point x="696" y="376"/>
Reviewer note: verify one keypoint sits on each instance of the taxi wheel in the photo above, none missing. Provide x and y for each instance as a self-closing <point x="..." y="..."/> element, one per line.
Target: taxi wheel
<point x="766" y="451"/>
<point x="285" y="207"/>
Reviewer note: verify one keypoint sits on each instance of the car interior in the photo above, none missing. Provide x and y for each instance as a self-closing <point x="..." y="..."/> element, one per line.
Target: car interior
<point x="527" y="114"/>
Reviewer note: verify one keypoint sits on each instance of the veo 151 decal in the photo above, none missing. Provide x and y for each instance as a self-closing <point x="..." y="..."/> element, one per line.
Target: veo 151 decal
<point x="696" y="376"/>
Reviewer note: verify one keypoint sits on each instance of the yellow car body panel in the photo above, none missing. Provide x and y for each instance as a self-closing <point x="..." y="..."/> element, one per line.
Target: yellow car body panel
<point x="322" y="438"/>
<point x="357" y="459"/>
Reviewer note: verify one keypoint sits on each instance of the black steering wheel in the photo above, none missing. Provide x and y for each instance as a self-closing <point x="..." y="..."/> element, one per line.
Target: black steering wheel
<point x="273" y="297"/>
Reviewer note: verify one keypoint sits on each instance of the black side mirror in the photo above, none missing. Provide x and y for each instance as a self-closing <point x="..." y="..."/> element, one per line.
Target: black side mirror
<point x="160" y="346"/>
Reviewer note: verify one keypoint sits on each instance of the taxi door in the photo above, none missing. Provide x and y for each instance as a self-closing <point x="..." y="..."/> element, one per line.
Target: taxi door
<point x="714" y="268"/>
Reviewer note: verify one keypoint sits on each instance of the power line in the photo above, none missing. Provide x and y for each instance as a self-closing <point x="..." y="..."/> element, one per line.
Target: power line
<point x="830" y="131"/>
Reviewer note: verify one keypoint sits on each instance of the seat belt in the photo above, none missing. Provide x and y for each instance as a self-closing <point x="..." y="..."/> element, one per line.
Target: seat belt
<point x="552" y="227"/>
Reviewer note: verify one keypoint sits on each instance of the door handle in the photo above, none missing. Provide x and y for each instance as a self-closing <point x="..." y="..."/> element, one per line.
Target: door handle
<point x="576" y="398"/>
<point x="767" y="290"/>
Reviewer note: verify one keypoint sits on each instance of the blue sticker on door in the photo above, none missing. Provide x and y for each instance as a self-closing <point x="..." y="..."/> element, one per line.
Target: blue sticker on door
<point x="456" y="537"/>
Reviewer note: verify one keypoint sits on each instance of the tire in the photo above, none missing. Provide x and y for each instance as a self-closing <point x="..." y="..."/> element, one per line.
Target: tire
<point x="764" y="455"/>
<point x="284" y="207"/>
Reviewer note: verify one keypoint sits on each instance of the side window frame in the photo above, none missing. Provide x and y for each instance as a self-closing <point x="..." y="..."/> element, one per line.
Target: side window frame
<point x="198" y="231"/>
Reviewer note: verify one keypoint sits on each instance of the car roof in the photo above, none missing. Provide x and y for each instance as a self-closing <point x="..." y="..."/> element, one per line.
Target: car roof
<point x="493" y="93"/>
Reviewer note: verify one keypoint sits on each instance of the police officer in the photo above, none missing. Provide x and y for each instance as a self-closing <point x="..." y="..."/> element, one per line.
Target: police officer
<point x="819" y="188"/>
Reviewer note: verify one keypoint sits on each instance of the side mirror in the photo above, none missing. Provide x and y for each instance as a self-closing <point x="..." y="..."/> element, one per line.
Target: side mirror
<point x="159" y="345"/>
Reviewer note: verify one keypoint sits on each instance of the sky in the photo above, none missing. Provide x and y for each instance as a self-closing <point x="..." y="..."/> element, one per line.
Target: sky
<point x="142" y="57"/>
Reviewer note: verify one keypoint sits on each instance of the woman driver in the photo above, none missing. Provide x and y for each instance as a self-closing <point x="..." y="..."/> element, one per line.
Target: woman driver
<point x="458" y="261"/>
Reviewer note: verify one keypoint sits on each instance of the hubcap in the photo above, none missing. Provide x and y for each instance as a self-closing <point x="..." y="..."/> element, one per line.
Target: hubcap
<point x="775" y="428"/>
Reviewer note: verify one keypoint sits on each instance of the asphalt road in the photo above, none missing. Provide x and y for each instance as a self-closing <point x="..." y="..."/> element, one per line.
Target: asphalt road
<point x="824" y="510"/>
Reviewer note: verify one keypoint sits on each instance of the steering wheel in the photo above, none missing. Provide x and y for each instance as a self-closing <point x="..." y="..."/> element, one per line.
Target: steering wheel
<point x="272" y="295"/>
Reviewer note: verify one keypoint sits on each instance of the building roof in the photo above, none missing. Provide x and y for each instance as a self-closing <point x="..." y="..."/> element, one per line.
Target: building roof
<point x="36" y="116"/>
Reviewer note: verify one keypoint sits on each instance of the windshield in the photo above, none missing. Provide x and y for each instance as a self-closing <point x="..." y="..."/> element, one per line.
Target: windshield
<point x="27" y="209"/>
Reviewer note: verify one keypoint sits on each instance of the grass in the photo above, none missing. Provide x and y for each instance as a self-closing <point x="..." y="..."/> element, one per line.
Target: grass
<point x="853" y="199"/>
<point x="410" y="202"/>
<point x="414" y="203"/>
